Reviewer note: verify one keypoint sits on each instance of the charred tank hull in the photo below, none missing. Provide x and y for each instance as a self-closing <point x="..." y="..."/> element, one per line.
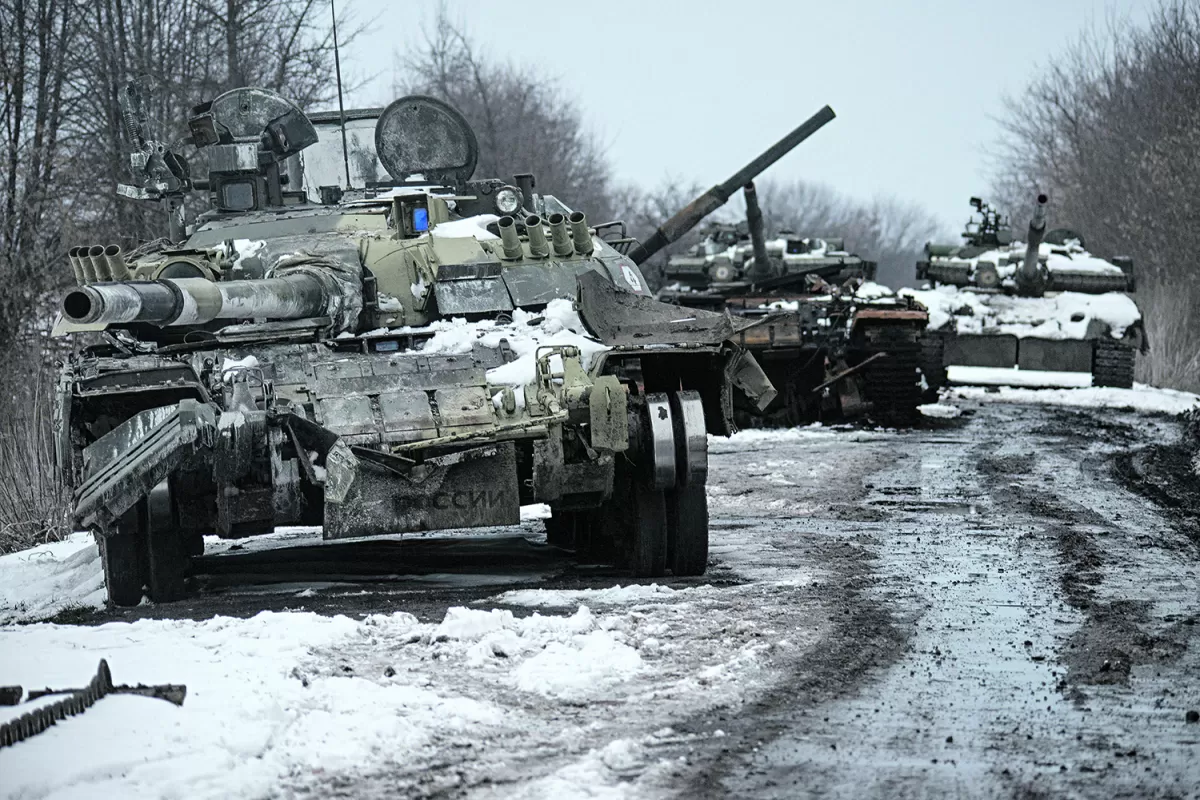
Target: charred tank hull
<point x="830" y="358"/>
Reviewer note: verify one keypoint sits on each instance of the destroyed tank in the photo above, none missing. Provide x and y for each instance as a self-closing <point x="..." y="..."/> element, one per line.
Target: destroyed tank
<point x="1043" y="304"/>
<point x="423" y="352"/>
<point x="836" y="345"/>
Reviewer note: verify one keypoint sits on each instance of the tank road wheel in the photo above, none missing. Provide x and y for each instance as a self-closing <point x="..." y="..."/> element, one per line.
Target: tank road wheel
<point x="147" y="552"/>
<point x="657" y="516"/>
<point x="687" y="503"/>
<point x="123" y="558"/>
<point x="166" y="549"/>
<point x="687" y="530"/>
<point x="648" y="531"/>
<point x="1112" y="363"/>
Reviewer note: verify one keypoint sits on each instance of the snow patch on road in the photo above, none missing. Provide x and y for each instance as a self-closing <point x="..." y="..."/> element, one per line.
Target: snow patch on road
<point x="45" y="580"/>
<point x="939" y="411"/>
<point x="615" y="595"/>
<point x="761" y="438"/>
<point x="1139" y="398"/>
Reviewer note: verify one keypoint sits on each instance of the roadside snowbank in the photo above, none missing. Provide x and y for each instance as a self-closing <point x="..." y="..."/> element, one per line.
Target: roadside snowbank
<point x="1011" y="376"/>
<point x="763" y="438"/>
<point x="940" y="411"/>
<point x="560" y="598"/>
<point x="44" y="580"/>
<point x="293" y="702"/>
<point x="1139" y="398"/>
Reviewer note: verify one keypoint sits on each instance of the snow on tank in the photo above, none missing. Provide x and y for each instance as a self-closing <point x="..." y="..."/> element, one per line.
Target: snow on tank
<point x="1045" y="304"/>
<point x="1063" y="315"/>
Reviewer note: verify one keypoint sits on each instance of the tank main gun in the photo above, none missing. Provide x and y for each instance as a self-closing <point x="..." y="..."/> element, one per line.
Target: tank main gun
<point x="761" y="269"/>
<point x="1030" y="279"/>
<point x="302" y="292"/>
<point x="691" y="214"/>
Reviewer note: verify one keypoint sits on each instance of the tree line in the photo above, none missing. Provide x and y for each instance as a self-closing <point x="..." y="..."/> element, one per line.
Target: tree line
<point x="526" y="123"/>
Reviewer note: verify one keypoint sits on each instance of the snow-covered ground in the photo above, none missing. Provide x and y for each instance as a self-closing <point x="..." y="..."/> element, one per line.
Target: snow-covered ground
<point x="284" y="700"/>
<point x="1005" y="376"/>
<point x="50" y="578"/>
<point x="531" y="692"/>
<point x="1139" y="398"/>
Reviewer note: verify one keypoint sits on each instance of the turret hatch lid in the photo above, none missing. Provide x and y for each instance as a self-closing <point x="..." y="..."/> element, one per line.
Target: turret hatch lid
<point x="418" y="135"/>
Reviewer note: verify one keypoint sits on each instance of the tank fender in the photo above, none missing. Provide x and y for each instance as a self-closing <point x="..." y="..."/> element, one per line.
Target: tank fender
<point x="123" y="466"/>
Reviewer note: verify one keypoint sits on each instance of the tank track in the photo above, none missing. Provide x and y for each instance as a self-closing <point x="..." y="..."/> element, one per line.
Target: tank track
<point x="1112" y="364"/>
<point x="76" y="701"/>
<point x="933" y="366"/>
<point x="892" y="383"/>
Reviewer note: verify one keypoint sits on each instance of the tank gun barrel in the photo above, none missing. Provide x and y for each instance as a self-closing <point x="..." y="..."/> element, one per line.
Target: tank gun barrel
<point x="754" y="220"/>
<point x="1029" y="274"/>
<point x="195" y="301"/>
<point x="714" y="198"/>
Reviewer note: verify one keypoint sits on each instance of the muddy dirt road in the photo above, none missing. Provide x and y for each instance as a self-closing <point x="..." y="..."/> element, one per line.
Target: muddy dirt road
<point x="1012" y="618"/>
<point x="1001" y="605"/>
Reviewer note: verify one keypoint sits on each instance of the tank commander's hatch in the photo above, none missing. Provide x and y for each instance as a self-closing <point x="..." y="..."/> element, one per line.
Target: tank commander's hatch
<point x="253" y="116"/>
<point x="418" y="135"/>
<point x="248" y="133"/>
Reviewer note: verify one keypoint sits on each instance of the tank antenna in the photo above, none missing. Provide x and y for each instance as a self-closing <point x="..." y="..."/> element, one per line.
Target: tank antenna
<point x="337" y="64"/>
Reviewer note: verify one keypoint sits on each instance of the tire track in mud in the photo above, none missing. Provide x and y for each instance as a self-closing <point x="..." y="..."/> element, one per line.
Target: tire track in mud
<point x="1116" y="635"/>
<point x="864" y="637"/>
<point x="931" y="688"/>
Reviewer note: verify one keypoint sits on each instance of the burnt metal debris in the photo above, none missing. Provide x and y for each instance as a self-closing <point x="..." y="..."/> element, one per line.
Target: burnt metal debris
<point x="265" y="367"/>
<point x="73" y="702"/>
<point x="832" y="353"/>
<point x="999" y="319"/>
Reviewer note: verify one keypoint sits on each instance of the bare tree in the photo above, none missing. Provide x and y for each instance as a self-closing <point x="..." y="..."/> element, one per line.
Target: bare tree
<point x="35" y="39"/>
<point x="884" y="229"/>
<point x="63" y="63"/>
<point x="643" y="210"/>
<point x="523" y="120"/>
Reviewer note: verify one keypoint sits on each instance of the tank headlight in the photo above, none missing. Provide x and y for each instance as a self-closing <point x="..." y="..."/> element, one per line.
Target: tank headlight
<point x="508" y="200"/>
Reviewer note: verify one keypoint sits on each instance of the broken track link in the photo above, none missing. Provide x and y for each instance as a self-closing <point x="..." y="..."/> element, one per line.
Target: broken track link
<point x="76" y="701"/>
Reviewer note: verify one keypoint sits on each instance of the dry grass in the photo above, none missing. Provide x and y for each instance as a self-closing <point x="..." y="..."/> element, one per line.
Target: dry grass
<point x="34" y="500"/>
<point x="1174" y="335"/>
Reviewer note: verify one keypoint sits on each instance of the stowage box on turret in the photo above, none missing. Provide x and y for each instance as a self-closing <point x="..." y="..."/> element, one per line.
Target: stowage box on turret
<point x="423" y="351"/>
<point x="1045" y="304"/>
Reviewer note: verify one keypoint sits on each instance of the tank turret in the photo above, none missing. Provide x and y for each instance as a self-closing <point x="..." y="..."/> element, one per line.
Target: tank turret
<point x="691" y="214"/>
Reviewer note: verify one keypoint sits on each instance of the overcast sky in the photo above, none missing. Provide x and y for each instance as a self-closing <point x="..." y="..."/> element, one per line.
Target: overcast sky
<point x="694" y="88"/>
